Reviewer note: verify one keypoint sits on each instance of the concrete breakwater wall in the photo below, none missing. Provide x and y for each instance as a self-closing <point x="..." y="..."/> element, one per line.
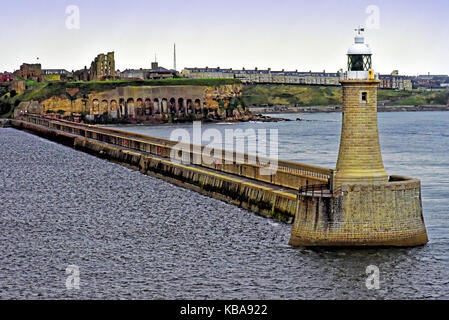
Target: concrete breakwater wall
<point x="262" y="198"/>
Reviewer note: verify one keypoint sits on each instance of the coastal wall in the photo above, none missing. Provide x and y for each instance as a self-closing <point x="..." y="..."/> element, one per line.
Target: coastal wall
<point x="380" y="214"/>
<point x="144" y="103"/>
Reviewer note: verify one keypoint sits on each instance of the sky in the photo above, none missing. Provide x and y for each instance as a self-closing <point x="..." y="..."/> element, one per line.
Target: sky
<point x="406" y="35"/>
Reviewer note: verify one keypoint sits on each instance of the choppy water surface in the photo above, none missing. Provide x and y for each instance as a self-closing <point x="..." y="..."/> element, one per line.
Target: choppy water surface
<point x="137" y="237"/>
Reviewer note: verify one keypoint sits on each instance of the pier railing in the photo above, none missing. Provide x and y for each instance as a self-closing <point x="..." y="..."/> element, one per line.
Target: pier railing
<point x="285" y="173"/>
<point x="316" y="190"/>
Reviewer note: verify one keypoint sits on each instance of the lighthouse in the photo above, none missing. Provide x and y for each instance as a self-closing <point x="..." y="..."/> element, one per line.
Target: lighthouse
<point x="360" y="158"/>
<point x="364" y="206"/>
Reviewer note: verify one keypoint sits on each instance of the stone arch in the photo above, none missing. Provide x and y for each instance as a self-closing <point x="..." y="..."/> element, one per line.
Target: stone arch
<point x="130" y="107"/>
<point x="197" y="104"/>
<point x="173" y="108"/>
<point x="139" y="107"/>
<point x="95" y="107"/>
<point x="156" y="108"/>
<point x="113" y="109"/>
<point x="148" y="107"/>
<point x="164" y="106"/>
<point x="122" y="108"/>
<point x="190" y="106"/>
<point x="104" y="107"/>
<point x="181" y="105"/>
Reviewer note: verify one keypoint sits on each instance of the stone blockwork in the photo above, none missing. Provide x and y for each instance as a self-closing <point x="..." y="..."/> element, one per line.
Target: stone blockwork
<point x="360" y="158"/>
<point x="103" y="67"/>
<point x="379" y="214"/>
<point x="30" y="71"/>
<point x="146" y="103"/>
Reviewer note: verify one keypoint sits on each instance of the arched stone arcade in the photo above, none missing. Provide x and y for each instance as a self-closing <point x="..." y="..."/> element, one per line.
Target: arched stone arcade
<point x="145" y="107"/>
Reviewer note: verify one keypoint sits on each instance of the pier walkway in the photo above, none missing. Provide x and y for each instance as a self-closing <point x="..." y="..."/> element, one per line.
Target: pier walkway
<point x="239" y="182"/>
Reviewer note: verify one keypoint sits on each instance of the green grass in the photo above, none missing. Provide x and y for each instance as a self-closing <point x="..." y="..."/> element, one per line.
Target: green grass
<point x="42" y="91"/>
<point x="31" y="82"/>
<point x="291" y="95"/>
<point x="414" y="98"/>
<point x="270" y="95"/>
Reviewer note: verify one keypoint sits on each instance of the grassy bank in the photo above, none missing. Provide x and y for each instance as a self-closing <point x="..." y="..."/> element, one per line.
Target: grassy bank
<point x="108" y="85"/>
<point x="271" y="95"/>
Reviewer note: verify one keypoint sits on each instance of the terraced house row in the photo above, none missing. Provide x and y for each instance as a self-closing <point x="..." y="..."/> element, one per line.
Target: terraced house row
<point x="265" y="76"/>
<point x="256" y="76"/>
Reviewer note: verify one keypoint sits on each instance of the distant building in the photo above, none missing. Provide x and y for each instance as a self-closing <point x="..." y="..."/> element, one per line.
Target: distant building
<point x="133" y="74"/>
<point x="81" y="75"/>
<point x="155" y="72"/>
<point x="264" y="76"/>
<point x="6" y="77"/>
<point x="430" y="81"/>
<point x="395" y="81"/>
<point x="55" y="71"/>
<point x="55" y="74"/>
<point x="103" y="67"/>
<point x="30" y="71"/>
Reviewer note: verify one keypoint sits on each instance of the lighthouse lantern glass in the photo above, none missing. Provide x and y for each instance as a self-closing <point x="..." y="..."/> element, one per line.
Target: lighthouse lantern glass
<point x="358" y="62"/>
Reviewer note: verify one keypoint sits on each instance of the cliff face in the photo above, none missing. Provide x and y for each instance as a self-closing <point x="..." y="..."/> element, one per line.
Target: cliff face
<point x="145" y="103"/>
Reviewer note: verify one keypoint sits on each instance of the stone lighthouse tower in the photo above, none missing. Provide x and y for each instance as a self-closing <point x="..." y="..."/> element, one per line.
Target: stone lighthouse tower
<point x="361" y="205"/>
<point x="360" y="159"/>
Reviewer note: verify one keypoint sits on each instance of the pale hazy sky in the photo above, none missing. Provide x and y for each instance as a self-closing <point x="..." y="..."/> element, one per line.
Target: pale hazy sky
<point x="413" y="36"/>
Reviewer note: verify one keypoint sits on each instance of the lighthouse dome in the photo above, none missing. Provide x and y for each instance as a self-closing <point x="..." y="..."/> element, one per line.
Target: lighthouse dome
<point x="359" y="46"/>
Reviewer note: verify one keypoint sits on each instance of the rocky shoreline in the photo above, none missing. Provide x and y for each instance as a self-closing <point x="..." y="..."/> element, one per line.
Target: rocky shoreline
<point x="164" y="121"/>
<point x="330" y="109"/>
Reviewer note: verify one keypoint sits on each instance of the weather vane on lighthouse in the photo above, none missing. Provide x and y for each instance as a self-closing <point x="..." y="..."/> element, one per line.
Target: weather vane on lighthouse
<point x="359" y="30"/>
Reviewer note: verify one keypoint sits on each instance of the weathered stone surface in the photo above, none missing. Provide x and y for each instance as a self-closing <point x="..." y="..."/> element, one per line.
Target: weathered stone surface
<point x="360" y="158"/>
<point x="365" y="208"/>
<point x="150" y="103"/>
<point x="381" y="214"/>
<point x="33" y="107"/>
